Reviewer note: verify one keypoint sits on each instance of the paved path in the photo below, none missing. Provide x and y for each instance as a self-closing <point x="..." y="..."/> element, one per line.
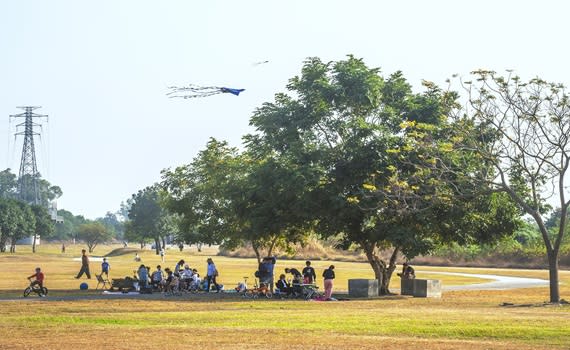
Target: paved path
<point x="499" y="283"/>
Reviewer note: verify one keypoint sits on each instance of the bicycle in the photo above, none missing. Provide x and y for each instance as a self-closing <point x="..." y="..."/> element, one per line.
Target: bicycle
<point x="40" y="291"/>
<point x="258" y="291"/>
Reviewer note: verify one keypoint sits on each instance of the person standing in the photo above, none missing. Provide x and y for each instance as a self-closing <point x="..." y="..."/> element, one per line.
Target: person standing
<point x="162" y="255"/>
<point x="211" y="276"/>
<point x="328" y="275"/>
<point x="63" y="248"/>
<point x="105" y="267"/>
<point x="309" y="275"/>
<point x="84" y="265"/>
<point x="143" y="276"/>
<point x="266" y="271"/>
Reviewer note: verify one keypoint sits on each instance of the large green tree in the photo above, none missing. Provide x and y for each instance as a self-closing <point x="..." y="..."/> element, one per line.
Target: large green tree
<point x="44" y="227"/>
<point x="9" y="216"/>
<point x="8" y="184"/>
<point x="148" y="219"/>
<point x="224" y="197"/>
<point x="93" y="233"/>
<point x="345" y="125"/>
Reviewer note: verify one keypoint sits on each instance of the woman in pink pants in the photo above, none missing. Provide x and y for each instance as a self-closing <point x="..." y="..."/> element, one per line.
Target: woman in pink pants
<point x="328" y="275"/>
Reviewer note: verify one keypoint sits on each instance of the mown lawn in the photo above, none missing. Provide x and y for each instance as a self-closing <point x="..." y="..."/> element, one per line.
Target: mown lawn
<point x="459" y="320"/>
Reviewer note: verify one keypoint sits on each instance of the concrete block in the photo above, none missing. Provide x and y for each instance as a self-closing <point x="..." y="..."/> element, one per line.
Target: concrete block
<point x="426" y="288"/>
<point x="406" y="287"/>
<point x="362" y="288"/>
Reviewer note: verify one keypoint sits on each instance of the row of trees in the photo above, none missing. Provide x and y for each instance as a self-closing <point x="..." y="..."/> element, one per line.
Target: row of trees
<point x="351" y="153"/>
<point x="19" y="220"/>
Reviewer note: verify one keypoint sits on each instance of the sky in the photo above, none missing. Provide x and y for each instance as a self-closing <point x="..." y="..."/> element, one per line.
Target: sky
<point x="100" y="70"/>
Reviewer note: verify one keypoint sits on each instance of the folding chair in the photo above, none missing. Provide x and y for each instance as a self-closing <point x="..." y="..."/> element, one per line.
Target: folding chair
<point x="104" y="280"/>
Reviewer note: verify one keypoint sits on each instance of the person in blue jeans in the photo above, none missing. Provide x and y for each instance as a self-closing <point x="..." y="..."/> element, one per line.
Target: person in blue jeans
<point x="266" y="270"/>
<point x="211" y="275"/>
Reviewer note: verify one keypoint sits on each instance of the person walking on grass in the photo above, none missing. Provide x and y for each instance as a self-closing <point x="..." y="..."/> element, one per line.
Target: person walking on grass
<point x="211" y="276"/>
<point x="328" y="275"/>
<point x="84" y="265"/>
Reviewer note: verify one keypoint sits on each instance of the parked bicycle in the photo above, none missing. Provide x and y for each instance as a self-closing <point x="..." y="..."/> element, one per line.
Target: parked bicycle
<point x="261" y="290"/>
<point x="35" y="288"/>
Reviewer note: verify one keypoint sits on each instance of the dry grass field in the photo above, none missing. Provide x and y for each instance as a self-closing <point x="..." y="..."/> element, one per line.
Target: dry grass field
<point x="71" y="319"/>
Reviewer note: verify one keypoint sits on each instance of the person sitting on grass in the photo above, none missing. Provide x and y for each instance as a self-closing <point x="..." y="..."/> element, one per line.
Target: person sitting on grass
<point x="186" y="276"/>
<point x="171" y="282"/>
<point x="157" y="278"/>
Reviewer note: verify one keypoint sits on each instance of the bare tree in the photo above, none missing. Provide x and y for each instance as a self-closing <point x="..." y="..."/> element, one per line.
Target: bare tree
<point x="521" y="130"/>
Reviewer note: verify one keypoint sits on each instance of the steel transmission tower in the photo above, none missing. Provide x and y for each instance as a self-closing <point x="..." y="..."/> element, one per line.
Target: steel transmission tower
<point x="28" y="186"/>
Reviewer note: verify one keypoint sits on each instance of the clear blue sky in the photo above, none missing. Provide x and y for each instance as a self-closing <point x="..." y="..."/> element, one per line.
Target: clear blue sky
<point x="100" y="70"/>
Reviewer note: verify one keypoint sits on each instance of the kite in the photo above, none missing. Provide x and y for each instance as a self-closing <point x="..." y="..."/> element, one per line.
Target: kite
<point x="259" y="63"/>
<point x="193" y="91"/>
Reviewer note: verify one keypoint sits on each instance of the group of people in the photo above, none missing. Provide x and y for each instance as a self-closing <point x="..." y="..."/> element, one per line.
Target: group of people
<point x="185" y="277"/>
<point x="307" y="276"/>
<point x="182" y="277"/>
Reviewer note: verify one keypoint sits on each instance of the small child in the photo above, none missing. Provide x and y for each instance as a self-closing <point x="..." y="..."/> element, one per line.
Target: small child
<point x="105" y="267"/>
<point x="39" y="278"/>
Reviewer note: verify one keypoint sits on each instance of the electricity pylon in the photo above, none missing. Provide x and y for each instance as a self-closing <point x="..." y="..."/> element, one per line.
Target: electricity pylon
<point x="28" y="186"/>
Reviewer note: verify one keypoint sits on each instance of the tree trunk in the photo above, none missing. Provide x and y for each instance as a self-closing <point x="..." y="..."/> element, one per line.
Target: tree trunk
<point x="34" y="244"/>
<point x="378" y="266"/>
<point x="553" y="275"/>
<point x="256" y="251"/>
<point x="163" y="242"/>
<point x="390" y="270"/>
<point x="157" y="246"/>
<point x="3" y="242"/>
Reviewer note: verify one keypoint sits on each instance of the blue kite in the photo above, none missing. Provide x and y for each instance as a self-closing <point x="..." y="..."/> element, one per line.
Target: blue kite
<point x="193" y="91"/>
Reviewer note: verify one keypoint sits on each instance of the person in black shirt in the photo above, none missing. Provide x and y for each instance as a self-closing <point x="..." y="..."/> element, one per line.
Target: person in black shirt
<point x="309" y="275"/>
<point x="328" y="275"/>
<point x="297" y="277"/>
<point x="283" y="286"/>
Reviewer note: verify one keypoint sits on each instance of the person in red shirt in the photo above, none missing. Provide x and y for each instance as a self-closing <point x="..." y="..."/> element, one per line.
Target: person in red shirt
<point x="39" y="276"/>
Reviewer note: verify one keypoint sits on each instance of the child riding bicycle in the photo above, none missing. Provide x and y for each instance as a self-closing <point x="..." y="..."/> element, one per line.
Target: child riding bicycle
<point x="39" y="278"/>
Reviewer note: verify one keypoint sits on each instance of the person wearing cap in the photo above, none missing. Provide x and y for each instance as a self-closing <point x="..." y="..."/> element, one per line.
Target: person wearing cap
<point x="105" y="267"/>
<point x="84" y="265"/>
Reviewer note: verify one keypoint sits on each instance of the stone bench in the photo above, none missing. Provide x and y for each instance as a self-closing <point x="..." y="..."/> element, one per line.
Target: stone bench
<point x="421" y="288"/>
<point x="362" y="288"/>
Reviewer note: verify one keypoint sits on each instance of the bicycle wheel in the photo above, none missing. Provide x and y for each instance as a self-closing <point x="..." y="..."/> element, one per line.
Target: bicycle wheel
<point x="249" y="294"/>
<point x="44" y="291"/>
<point x="268" y="295"/>
<point x="27" y="291"/>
